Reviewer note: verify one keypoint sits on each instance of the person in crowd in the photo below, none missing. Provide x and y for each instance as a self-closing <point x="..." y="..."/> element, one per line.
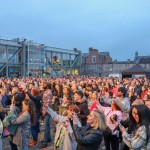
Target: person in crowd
<point x="67" y="90"/>
<point x="89" y="98"/>
<point x="59" y="90"/>
<point x="55" y="102"/>
<point x="115" y="89"/>
<point x="24" y="120"/>
<point x="13" y="114"/>
<point x="112" y="114"/>
<point x="108" y="98"/>
<point x="31" y="86"/>
<point x="123" y="103"/>
<point x="64" y="137"/>
<point x="90" y="136"/>
<point x="137" y="89"/>
<point x="63" y="108"/>
<point x="34" y="95"/>
<point x="139" y="127"/>
<point x="81" y="102"/>
<point x="144" y="91"/>
<point x="146" y="100"/>
<point x="47" y="99"/>
<point x="5" y="98"/>
<point x="95" y="99"/>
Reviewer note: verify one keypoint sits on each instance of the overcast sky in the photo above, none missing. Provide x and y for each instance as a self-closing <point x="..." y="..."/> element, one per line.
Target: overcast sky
<point x="121" y="27"/>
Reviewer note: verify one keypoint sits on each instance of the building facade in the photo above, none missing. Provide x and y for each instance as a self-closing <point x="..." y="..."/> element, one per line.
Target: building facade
<point x="95" y="65"/>
<point x="21" y="57"/>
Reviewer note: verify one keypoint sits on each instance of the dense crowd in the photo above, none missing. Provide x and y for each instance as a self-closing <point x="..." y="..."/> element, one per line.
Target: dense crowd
<point x="85" y="111"/>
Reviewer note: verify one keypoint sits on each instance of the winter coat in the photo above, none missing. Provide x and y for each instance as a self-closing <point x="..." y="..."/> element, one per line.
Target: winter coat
<point x="23" y="131"/>
<point x="68" y="141"/>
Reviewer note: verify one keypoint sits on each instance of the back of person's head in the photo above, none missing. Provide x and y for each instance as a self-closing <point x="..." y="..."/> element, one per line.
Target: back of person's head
<point x="17" y="99"/>
<point x="49" y="85"/>
<point x="101" y="120"/>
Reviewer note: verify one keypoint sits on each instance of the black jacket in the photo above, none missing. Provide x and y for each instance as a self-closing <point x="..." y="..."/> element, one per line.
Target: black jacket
<point x="84" y="111"/>
<point x="36" y="101"/>
<point x="87" y="137"/>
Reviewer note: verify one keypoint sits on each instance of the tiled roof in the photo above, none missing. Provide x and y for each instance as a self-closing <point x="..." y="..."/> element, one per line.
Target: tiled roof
<point x="136" y="69"/>
<point x="142" y="59"/>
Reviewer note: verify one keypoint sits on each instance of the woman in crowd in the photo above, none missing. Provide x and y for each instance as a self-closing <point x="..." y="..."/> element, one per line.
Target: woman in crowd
<point x="35" y="97"/>
<point x="23" y="121"/>
<point x="139" y="124"/>
<point x="64" y="137"/>
<point x="112" y="114"/>
<point x="13" y="114"/>
<point x="94" y="99"/>
<point x="108" y="98"/>
<point x="63" y="108"/>
<point x="90" y="136"/>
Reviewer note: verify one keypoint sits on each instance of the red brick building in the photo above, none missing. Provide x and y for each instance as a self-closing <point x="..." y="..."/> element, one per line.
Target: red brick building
<point x="96" y="57"/>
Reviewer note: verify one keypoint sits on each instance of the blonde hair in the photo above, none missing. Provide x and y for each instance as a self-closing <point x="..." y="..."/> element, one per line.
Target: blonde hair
<point x="14" y="90"/>
<point x="101" y="120"/>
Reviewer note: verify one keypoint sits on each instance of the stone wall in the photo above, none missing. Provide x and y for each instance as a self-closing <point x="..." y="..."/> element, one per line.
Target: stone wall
<point x="106" y="69"/>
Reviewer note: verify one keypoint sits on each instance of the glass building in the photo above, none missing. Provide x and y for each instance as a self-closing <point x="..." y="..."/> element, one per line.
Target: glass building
<point x="21" y="57"/>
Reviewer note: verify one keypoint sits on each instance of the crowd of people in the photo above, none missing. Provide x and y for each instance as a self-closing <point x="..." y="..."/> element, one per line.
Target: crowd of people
<point x="85" y="111"/>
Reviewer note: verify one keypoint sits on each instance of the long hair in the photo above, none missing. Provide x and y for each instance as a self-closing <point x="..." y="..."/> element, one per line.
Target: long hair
<point x="144" y="118"/>
<point x="31" y="109"/>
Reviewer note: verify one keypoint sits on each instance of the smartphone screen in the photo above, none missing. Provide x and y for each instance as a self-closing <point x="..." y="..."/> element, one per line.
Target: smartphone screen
<point x="119" y="124"/>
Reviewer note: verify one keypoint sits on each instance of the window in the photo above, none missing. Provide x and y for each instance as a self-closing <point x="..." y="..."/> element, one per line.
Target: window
<point x="93" y="59"/>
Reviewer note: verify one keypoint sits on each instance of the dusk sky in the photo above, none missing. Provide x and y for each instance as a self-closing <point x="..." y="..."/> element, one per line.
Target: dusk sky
<point x="121" y="27"/>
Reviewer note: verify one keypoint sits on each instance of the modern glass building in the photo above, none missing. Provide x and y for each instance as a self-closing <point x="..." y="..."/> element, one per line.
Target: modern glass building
<point x="21" y="57"/>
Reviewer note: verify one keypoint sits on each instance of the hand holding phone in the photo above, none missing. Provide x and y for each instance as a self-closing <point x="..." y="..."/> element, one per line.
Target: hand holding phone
<point x="120" y="124"/>
<point x="121" y="127"/>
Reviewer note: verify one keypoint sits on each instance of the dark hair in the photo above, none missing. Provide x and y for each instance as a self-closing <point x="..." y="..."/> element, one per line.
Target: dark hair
<point x="144" y="118"/>
<point x="31" y="106"/>
<point x="49" y="85"/>
<point x="17" y="97"/>
<point x="79" y="93"/>
<point x="122" y="90"/>
<point x="110" y="94"/>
